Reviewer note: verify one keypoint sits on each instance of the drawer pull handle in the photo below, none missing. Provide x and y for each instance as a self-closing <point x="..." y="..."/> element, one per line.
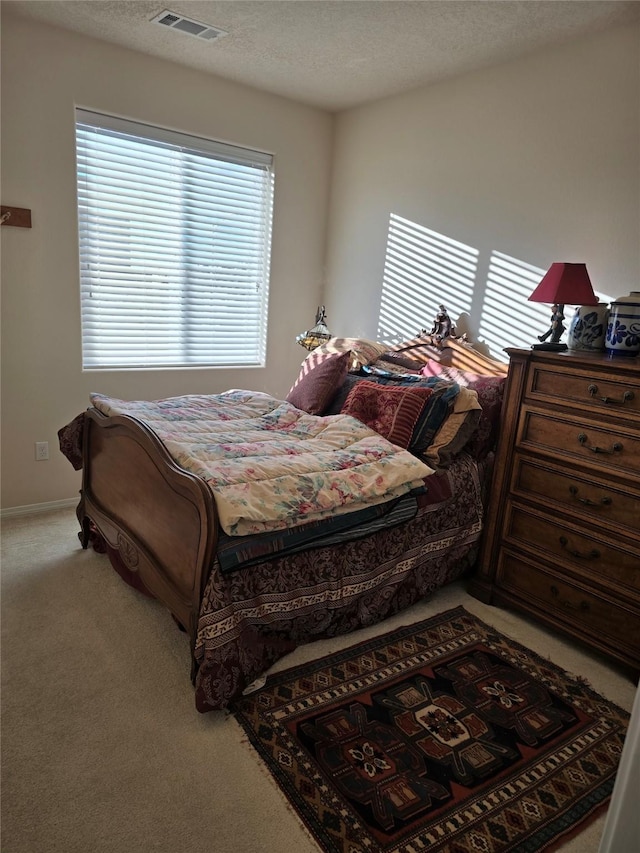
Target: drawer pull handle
<point x="616" y="447"/>
<point x="583" y="606"/>
<point x="609" y="401"/>
<point x="592" y="555"/>
<point x="602" y="502"/>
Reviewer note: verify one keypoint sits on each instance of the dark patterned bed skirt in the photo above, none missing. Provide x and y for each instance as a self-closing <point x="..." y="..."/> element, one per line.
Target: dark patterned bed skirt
<point x="251" y="618"/>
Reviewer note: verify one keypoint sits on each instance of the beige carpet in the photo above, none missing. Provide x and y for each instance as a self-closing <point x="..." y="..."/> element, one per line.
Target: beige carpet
<point x="102" y="748"/>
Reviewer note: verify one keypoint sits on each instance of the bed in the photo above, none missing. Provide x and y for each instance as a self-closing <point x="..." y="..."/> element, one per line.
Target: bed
<point x="247" y="597"/>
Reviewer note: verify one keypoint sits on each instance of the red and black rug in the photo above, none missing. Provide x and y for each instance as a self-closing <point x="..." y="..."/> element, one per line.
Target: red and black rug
<point x="440" y="736"/>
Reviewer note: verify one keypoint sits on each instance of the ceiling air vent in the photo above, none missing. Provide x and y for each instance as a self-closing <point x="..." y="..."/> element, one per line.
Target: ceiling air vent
<point x="188" y="26"/>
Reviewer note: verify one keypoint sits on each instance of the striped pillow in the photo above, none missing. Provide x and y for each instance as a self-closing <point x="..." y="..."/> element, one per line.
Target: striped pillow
<point x="362" y="350"/>
<point x="390" y="410"/>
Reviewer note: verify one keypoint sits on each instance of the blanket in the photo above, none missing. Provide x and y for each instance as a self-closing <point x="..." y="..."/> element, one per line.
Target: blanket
<point x="270" y="465"/>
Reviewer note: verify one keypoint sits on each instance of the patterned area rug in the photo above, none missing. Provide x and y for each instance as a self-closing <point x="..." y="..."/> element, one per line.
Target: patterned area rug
<point x="440" y="736"/>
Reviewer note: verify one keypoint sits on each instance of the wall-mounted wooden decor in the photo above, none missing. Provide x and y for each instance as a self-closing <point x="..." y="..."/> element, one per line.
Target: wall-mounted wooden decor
<point x="17" y="216"/>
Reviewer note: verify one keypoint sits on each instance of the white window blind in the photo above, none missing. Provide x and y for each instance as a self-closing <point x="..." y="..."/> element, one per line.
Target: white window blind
<point x="175" y="239"/>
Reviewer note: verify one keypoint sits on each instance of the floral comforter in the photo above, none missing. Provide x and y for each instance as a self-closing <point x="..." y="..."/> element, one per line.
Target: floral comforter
<point x="270" y="465"/>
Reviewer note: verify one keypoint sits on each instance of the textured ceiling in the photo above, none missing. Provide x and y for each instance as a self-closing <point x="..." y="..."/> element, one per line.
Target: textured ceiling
<point x="336" y="54"/>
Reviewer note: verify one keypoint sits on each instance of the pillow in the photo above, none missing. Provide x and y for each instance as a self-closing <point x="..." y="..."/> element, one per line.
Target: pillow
<point x="456" y="430"/>
<point x="338" y="400"/>
<point x="390" y="410"/>
<point x="388" y="377"/>
<point x="436" y="410"/>
<point x="392" y="371"/>
<point x="363" y="351"/>
<point x="490" y="391"/>
<point x="398" y="358"/>
<point x="317" y="381"/>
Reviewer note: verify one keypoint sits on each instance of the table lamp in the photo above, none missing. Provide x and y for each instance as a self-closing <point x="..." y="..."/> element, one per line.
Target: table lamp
<point x="562" y="284"/>
<point x="320" y="334"/>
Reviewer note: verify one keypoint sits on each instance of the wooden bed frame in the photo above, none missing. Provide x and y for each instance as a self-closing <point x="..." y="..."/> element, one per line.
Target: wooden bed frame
<point x="161" y="519"/>
<point x="452" y="352"/>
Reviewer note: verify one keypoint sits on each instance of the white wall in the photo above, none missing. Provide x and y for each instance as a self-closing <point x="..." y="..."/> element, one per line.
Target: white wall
<point x="45" y="72"/>
<point x="537" y="160"/>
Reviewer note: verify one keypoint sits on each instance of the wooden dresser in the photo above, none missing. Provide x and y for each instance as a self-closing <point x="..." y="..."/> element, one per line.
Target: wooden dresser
<point x="562" y="534"/>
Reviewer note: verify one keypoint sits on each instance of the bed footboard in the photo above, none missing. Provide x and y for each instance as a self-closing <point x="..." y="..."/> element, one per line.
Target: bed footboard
<point x="160" y="518"/>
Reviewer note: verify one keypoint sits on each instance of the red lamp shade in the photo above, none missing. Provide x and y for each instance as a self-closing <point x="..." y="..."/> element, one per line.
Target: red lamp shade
<point x="565" y="284"/>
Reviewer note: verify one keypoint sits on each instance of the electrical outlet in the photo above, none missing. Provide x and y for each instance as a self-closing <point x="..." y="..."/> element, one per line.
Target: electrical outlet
<point x="42" y="451"/>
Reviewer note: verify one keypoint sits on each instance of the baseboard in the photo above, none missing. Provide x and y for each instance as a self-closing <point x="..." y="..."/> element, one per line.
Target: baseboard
<point x="34" y="509"/>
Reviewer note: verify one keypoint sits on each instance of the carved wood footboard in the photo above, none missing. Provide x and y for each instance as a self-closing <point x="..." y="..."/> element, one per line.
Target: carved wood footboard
<point x="159" y="517"/>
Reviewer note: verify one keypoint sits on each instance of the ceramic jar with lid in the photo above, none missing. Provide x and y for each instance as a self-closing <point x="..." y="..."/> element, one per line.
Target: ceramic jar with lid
<point x="623" y="329"/>
<point x="588" y="327"/>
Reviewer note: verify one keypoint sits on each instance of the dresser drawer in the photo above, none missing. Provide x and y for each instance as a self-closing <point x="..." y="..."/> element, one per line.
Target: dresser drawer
<point x="580" y="550"/>
<point x="593" y="501"/>
<point x="607" y="621"/>
<point x="596" y="444"/>
<point x="591" y="391"/>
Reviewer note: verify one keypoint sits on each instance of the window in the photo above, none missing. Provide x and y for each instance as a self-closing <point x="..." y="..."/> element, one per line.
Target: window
<point x="175" y="239"/>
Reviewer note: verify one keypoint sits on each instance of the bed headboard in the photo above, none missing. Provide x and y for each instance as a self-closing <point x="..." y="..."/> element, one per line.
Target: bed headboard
<point x="451" y="352"/>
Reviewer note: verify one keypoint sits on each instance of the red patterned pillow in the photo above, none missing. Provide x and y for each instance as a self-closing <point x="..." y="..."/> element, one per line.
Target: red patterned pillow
<point x="319" y="379"/>
<point x="390" y="410"/>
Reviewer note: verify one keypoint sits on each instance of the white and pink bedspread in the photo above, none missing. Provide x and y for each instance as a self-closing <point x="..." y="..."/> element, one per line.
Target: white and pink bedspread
<point x="270" y="465"/>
